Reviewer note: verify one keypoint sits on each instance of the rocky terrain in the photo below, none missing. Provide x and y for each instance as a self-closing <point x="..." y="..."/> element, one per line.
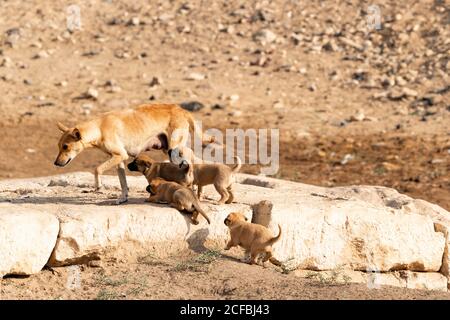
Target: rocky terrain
<point x="356" y="103"/>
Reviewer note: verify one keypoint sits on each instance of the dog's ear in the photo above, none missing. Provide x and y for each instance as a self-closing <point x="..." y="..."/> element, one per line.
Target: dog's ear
<point x="76" y="134"/>
<point x="62" y="127"/>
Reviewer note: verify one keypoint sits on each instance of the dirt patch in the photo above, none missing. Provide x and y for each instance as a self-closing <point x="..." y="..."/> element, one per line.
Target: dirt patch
<point x="188" y="275"/>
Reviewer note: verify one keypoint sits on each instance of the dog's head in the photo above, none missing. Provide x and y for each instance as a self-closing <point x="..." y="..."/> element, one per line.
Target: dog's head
<point x="141" y="163"/>
<point x="70" y="145"/>
<point x="152" y="188"/>
<point x="234" y="217"/>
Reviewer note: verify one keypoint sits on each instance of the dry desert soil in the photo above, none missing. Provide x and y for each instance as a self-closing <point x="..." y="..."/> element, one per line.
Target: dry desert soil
<point x="354" y="105"/>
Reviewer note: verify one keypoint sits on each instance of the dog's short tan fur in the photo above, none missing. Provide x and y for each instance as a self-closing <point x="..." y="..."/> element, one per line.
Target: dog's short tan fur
<point x="254" y="238"/>
<point x="166" y="170"/>
<point x="126" y="133"/>
<point x="218" y="174"/>
<point x="177" y="196"/>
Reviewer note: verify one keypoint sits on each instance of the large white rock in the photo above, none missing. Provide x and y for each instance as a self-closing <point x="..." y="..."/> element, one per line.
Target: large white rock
<point x="27" y="239"/>
<point x="355" y="228"/>
<point x="86" y="234"/>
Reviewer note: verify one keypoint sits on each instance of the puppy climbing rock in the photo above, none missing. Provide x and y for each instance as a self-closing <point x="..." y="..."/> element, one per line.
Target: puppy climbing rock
<point x="177" y="196"/>
<point x="254" y="238"/>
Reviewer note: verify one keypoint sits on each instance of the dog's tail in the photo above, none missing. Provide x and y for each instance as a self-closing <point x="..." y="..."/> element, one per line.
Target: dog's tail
<point x="197" y="207"/>
<point x="194" y="130"/>
<point x="237" y="166"/>
<point x="275" y="239"/>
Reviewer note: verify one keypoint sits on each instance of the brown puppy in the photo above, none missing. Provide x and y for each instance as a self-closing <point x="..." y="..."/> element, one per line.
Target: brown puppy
<point x="177" y="196"/>
<point x="218" y="174"/>
<point x="254" y="238"/>
<point x="126" y="133"/>
<point x="166" y="170"/>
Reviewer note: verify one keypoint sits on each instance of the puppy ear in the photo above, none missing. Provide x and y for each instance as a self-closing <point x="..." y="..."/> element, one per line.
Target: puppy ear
<point x="62" y="127"/>
<point x="76" y="134"/>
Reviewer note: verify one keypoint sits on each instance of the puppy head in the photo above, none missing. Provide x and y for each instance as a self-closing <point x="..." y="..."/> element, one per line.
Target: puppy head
<point x="234" y="217"/>
<point x="69" y="145"/>
<point x="141" y="163"/>
<point x="152" y="188"/>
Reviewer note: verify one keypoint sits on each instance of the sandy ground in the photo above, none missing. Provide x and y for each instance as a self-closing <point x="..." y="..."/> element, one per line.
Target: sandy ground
<point x="334" y="89"/>
<point x="207" y="275"/>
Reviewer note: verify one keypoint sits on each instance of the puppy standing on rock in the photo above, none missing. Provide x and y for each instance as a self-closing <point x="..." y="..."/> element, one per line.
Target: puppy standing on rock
<point x="177" y="196"/>
<point x="254" y="238"/>
<point x="218" y="174"/>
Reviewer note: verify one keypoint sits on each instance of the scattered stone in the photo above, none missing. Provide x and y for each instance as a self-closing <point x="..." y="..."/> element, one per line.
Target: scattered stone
<point x="6" y="62"/>
<point x="195" y="76"/>
<point x="278" y="104"/>
<point x="192" y="106"/>
<point x="114" y="89"/>
<point x="312" y="87"/>
<point x="358" y="116"/>
<point x="92" y="93"/>
<point x="348" y="157"/>
<point x="218" y="106"/>
<point x="264" y="36"/>
<point x="234" y="98"/>
<point x="154" y="82"/>
<point x="41" y="55"/>
<point x="296" y="38"/>
<point x="134" y="21"/>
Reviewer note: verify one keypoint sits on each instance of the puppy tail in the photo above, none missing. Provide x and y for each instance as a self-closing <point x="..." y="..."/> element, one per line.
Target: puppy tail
<point x="200" y="210"/>
<point x="275" y="239"/>
<point x="238" y="165"/>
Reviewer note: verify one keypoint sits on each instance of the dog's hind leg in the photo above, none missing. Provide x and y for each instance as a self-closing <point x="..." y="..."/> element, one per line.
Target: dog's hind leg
<point x="224" y="195"/>
<point x="230" y="195"/>
<point x="123" y="183"/>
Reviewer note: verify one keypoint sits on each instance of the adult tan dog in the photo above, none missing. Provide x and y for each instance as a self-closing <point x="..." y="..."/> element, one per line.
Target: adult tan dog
<point x="152" y="169"/>
<point x="177" y="196"/>
<point x="254" y="238"/>
<point x="126" y="133"/>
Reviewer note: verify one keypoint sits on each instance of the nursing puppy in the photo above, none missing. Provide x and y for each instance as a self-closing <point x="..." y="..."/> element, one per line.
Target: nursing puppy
<point x="177" y="196"/>
<point x="254" y="238"/>
<point x="126" y="133"/>
<point x="166" y="170"/>
<point x="218" y="174"/>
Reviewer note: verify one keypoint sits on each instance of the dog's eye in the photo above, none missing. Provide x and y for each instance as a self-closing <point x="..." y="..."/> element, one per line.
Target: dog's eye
<point x="65" y="147"/>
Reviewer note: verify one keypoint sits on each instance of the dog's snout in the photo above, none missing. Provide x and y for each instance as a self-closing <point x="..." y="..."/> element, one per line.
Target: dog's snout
<point x="149" y="189"/>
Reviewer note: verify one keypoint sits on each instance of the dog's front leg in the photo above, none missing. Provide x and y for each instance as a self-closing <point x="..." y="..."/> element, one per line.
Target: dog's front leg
<point x="115" y="160"/>
<point x="123" y="183"/>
